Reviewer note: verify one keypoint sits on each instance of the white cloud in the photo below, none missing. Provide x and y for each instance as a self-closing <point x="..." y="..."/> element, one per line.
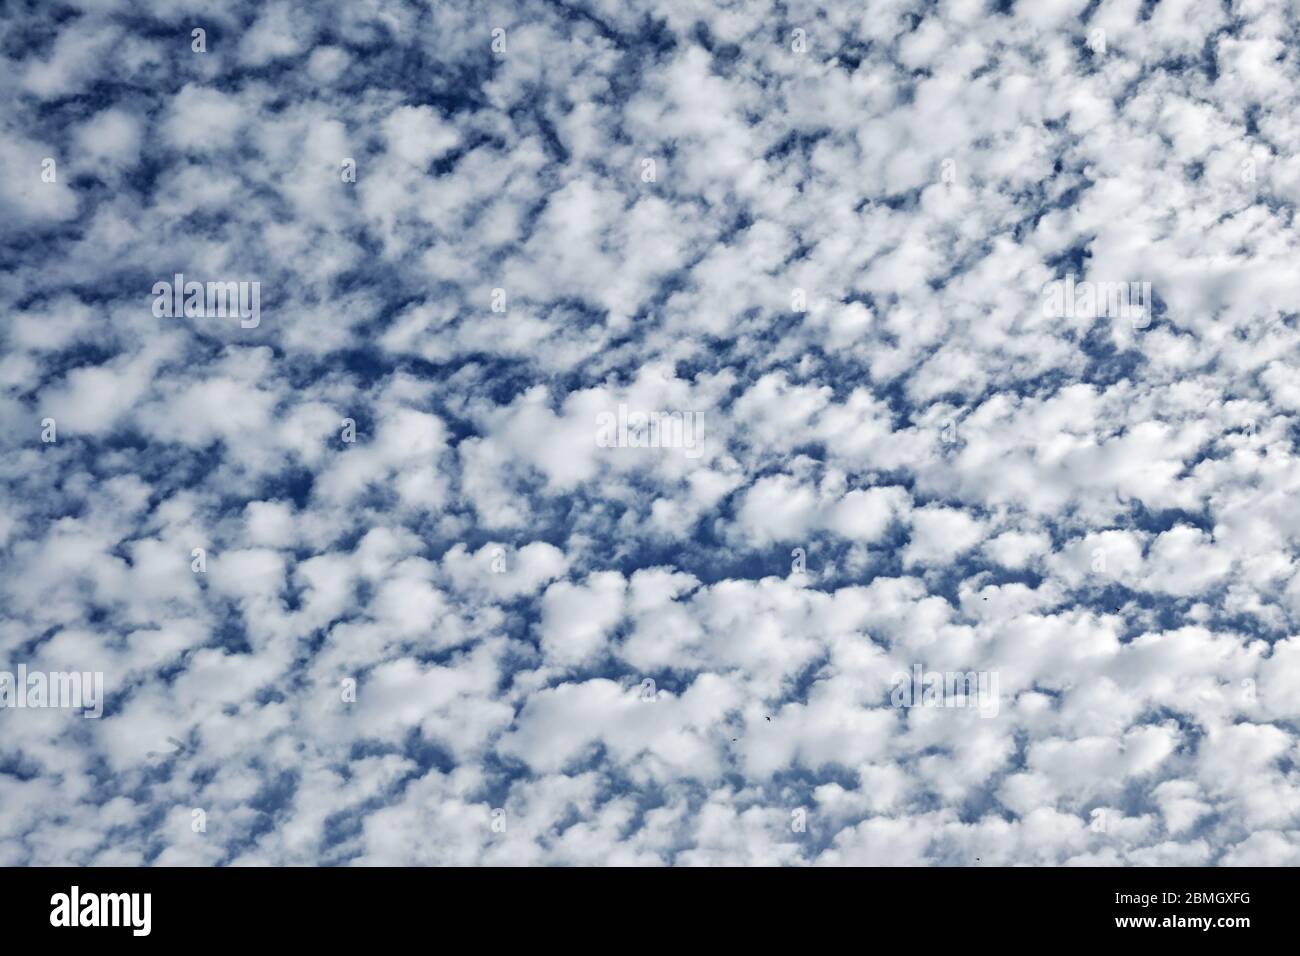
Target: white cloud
<point x="838" y="264"/>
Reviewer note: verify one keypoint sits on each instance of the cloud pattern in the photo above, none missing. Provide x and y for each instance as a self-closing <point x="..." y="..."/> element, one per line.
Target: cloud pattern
<point x="826" y="232"/>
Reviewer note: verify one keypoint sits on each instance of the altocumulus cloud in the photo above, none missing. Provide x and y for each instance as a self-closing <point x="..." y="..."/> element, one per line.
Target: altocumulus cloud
<point x="369" y="581"/>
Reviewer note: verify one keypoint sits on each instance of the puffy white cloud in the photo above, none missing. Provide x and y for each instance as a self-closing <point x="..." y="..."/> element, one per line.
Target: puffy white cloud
<point x="940" y="534"/>
<point x="577" y="619"/>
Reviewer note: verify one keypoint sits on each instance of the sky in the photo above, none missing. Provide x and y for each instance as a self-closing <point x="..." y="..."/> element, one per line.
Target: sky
<point x="635" y="417"/>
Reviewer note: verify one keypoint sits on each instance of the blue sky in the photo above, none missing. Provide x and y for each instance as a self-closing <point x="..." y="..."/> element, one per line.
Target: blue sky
<point x="827" y="237"/>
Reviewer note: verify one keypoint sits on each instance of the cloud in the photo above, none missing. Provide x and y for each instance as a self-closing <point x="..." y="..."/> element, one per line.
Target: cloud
<point x="374" y="582"/>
